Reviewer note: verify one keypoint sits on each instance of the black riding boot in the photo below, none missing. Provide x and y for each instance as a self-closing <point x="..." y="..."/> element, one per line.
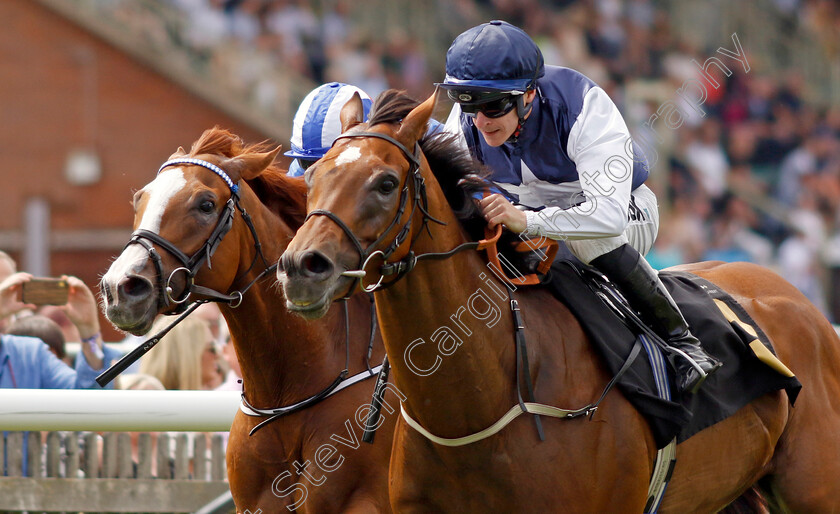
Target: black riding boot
<point x="640" y="284"/>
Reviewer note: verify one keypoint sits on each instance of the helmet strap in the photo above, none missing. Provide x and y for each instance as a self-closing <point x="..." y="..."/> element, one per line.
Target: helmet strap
<point x="522" y="111"/>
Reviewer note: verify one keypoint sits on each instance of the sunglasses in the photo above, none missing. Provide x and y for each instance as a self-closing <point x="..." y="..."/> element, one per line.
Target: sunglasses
<point x="492" y="106"/>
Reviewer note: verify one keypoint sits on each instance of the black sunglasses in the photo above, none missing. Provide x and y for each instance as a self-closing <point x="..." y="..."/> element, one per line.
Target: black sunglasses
<point x="491" y="105"/>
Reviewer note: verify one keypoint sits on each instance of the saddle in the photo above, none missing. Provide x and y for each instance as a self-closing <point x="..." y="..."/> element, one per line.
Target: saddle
<point x="724" y="328"/>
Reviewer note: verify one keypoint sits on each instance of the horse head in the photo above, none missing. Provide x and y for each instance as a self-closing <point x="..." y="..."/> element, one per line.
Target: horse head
<point x="186" y="230"/>
<point x="362" y="206"/>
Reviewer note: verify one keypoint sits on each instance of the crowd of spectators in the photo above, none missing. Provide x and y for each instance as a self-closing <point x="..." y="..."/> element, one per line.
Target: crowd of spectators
<point x="751" y="175"/>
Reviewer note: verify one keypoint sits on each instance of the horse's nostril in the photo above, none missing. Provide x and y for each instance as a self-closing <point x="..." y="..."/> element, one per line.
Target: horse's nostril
<point x="135" y="287"/>
<point x="106" y="292"/>
<point x="283" y="263"/>
<point x="314" y="263"/>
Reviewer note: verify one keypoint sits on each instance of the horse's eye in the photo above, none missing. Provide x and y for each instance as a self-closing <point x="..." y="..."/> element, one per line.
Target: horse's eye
<point x="388" y="185"/>
<point x="206" y="206"/>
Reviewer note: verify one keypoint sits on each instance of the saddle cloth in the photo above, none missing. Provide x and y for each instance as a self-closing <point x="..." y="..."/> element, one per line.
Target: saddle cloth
<point x="725" y="330"/>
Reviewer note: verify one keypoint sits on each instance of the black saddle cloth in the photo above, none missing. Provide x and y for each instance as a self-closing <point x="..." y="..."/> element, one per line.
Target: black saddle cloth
<point x="742" y="378"/>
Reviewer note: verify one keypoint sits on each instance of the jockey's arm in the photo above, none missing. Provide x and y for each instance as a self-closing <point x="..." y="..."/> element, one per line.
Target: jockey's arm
<point x="597" y="143"/>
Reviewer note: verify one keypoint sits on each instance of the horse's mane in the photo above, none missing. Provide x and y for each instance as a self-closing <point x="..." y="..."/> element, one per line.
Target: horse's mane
<point x="391" y="106"/>
<point x="279" y="192"/>
<point x="460" y="176"/>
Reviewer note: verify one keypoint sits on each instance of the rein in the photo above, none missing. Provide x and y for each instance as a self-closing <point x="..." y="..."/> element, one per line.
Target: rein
<point x="340" y="382"/>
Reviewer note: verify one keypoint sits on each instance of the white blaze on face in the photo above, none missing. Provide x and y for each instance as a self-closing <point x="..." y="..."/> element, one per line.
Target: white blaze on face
<point x="159" y="192"/>
<point x="349" y="155"/>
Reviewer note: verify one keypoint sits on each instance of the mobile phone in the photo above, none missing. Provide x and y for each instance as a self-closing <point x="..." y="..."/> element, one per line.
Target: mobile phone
<point x="45" y="291"/>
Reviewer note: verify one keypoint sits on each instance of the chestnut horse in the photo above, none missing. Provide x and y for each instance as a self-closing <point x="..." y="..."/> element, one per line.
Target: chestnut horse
<point x="448" y="332"/>
<point x="311" y="458"/>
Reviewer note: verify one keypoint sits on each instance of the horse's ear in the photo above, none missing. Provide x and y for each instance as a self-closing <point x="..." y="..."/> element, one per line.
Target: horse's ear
<point x="180" y="152"/>
<point x="413" y="127"/>
<point x="352" y="113"/>
<point x="249" y="166"/>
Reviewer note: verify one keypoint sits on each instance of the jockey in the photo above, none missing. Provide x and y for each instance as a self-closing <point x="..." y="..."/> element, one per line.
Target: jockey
<point x="558" y="145"/>
<point x="317" y="123"/>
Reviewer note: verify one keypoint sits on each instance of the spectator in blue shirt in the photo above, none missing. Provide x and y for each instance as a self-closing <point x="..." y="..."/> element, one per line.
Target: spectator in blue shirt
<point x="45" y="329"/>
<point x="28" y="363"/>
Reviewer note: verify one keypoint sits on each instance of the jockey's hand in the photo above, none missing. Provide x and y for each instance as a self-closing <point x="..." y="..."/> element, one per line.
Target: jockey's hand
<point x="496" y="209"/>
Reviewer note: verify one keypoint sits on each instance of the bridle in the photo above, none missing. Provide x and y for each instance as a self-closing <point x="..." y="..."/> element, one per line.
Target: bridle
<point x="400" y="268"/>
<point x="420" y="201"/>
<point x="190" y="265"/>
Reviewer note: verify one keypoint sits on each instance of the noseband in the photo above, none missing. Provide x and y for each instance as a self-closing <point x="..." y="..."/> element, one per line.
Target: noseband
<point x="420" y="201"/>
<point x="190" y="265"/>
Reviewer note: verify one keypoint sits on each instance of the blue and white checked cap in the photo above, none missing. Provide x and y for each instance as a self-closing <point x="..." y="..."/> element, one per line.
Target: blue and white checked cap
<point x="317" y="122"/>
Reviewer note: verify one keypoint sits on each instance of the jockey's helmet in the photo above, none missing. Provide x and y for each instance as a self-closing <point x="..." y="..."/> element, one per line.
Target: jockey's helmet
<point x="317" y="123"/>
<point x="489" y="68"/>
<point x="491" y="60"/>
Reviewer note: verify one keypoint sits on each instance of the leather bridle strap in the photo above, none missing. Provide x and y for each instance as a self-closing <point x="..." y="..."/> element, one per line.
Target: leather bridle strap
<point x="340" y="382"/>
<point x="191" y="264"/>
<point x="420" y="202"/>
<point x="405" y="265"/>
<point x="343" y="226"/>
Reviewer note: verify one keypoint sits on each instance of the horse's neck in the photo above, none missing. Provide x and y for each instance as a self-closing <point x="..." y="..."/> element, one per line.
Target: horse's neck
<point x="283" y="358"/>
<point x="448" y="331"/>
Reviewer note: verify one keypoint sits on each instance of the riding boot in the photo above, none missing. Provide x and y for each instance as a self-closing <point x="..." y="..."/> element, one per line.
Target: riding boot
<point x="640" y="284"/>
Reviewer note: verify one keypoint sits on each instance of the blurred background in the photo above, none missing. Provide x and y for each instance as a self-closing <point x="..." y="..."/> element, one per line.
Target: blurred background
<point x="96" y="94"/>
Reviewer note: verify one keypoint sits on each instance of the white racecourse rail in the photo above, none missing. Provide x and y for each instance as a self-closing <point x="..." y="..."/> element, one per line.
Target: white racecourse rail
<point x="116" y="411"/>
<point x="120" y="411"/>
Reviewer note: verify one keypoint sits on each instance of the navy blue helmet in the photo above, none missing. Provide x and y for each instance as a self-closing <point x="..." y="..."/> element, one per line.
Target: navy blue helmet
<point x="491" y="60"/>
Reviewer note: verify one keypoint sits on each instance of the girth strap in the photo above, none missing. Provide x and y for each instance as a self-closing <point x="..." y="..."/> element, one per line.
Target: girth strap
<point x="526" y="408"/>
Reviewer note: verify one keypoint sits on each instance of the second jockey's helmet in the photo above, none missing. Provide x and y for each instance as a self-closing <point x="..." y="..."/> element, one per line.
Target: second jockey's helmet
<point x="317" y="122"/>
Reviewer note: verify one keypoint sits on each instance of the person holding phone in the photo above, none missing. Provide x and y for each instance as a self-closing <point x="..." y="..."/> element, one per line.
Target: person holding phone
<point x="27" y="363"/>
